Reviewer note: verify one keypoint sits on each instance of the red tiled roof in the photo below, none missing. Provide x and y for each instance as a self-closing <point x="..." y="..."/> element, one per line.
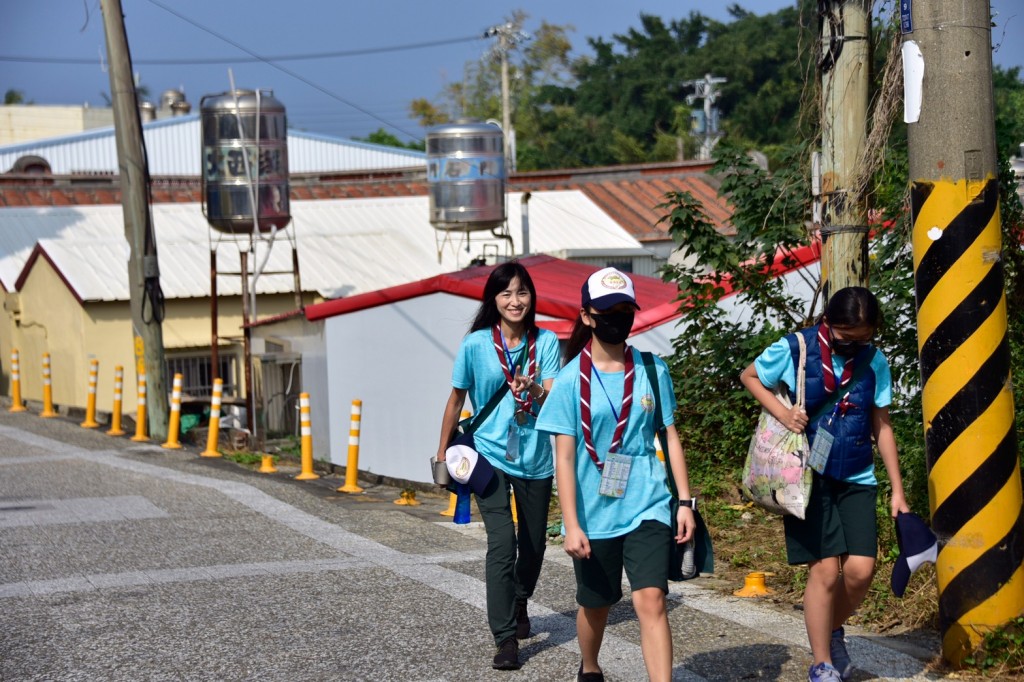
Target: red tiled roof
<point x="628" y="194"/>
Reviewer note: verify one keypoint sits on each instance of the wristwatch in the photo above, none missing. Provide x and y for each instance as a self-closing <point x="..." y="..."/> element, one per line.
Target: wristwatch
<point x="691" y="503"/>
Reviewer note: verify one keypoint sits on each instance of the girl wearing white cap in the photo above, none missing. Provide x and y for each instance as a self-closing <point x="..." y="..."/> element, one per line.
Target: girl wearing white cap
<point x="611" y="486"/>
<point x="504" y="346"/>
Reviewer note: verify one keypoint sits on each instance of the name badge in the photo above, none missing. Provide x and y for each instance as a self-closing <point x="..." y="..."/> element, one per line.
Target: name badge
<point x="820" y="448"/>
<point x="512" y="442"/>
<point x="615" y="474"/>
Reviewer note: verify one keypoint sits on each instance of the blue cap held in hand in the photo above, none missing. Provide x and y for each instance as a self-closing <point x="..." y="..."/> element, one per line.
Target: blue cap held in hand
<point x="918" y="545"/>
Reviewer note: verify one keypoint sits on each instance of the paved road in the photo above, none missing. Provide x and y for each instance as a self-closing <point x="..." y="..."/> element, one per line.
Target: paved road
<point x="121" y="561"/>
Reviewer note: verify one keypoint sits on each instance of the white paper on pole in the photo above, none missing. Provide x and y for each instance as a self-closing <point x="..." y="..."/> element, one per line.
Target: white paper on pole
<point x="913" y="78"/>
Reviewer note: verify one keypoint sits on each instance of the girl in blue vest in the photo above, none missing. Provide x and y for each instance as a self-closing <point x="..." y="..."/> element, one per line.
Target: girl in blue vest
<point x="848" y="392"/>
<point x="611" y="486"/>
<point x="505" y="346"/>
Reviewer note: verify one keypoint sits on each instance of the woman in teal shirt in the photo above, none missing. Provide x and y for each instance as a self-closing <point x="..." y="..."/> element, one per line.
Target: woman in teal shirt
<point x="612" y="487"/>
<point x="505" y="346"/>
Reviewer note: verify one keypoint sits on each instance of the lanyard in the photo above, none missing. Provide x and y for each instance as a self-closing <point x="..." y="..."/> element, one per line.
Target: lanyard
<point x="826" y="362"/>
<point x="605" y="391"/>
<point x="586" y="368"/>
<point x="505" y="359"/>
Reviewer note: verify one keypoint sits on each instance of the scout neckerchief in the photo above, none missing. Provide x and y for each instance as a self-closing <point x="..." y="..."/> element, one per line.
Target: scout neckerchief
<point x="826" y="361"/>
<point x="586" y="366"/>
<point x="505" y="358"/>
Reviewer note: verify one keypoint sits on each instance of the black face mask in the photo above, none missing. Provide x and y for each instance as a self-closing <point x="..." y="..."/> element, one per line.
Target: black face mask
<point x="613" y="328"/>
<point x="847" y="349"/>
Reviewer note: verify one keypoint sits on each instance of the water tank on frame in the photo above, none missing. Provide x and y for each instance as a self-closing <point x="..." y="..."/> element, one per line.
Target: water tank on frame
<point x="466" y="176"/>
<point x="245" y="155"/>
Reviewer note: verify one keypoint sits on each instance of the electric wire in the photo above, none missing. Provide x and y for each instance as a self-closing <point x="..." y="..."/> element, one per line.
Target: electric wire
<point x="245" y="60"/>
<point x="285" y="71"/>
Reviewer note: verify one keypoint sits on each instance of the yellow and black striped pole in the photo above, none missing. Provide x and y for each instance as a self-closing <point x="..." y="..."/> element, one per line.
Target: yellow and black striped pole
<point x="973" y="469"/>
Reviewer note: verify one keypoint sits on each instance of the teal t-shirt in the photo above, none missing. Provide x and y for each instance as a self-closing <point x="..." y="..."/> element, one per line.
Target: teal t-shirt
<point x="647" y="494"/>
<point x="478" y="370"/>
<point x="775" y="366"/>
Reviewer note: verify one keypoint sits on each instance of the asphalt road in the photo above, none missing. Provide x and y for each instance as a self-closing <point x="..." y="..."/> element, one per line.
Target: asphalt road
<point x="126" y="561"/>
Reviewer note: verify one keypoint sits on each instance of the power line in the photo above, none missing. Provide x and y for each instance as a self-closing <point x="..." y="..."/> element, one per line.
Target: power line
<point x="244" y="60"/>
<point x="283" y="70"/>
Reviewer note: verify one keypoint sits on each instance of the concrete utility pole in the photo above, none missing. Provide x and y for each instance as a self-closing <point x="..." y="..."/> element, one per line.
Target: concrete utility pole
<point x="143" y="271"/>
<point x="970" y="444"/>
<point x="706" y="89"/>
<point x="845" y="71"/>
<point x="508" y="36"/>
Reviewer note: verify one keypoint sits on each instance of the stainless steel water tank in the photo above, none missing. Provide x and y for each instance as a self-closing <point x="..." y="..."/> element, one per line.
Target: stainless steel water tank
<point x="466" y="175"/>
<point x="240" y="125"/>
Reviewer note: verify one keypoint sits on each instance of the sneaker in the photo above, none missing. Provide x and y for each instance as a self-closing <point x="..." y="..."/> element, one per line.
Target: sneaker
<point x="823" y="672"/>
<point x="589" y="677"/>
<point x="522" y="621"/>
<point x="507" y="657"/>
<point x="840" y="657"/>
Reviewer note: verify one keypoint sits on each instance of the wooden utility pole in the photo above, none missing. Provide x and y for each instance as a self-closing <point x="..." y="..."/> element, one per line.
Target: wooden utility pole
<point x="143" y="271"/>
<point x="970" y="445"/>
<point x="845" y="74"/>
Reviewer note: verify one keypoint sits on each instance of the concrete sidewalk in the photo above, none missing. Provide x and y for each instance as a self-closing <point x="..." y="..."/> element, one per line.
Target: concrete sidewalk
<point x="121" y="561"/>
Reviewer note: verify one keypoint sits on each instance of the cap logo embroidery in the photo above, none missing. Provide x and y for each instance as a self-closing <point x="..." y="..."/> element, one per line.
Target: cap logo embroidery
<point x="613" y="280"/>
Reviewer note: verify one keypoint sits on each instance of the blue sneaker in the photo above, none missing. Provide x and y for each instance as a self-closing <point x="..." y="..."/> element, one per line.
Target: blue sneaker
<point x="823" y="672"/>
<point x="840" y="657"/>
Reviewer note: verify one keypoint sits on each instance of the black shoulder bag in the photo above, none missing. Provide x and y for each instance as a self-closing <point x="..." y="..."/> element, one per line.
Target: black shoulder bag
<point x="703" y="559"/>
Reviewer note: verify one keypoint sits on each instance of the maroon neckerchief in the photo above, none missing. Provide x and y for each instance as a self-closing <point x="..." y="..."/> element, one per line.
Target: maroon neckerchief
<point x="586" y="366"/>
<point x="826" y="361"/>
<point x="531" y="349"/>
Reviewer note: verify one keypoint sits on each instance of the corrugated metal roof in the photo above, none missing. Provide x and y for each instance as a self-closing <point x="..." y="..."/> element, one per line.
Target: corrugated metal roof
<point x="345" y="246"/>
<point x="173" y="148"/>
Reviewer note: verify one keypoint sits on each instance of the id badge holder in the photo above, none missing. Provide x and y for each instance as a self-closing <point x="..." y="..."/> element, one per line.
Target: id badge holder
<point x="615" y="474"/>
<point x="512" y="442"/>
<point x="519" y="428"/>
<point x="820" y="448"/>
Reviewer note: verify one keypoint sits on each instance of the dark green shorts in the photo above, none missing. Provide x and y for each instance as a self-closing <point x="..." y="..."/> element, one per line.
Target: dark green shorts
<point x="840" y="520"/>
<point x="643" y="552"/>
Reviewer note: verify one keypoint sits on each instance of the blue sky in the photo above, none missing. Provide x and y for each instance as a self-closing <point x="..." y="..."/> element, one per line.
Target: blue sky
<point x="346" y="96"/>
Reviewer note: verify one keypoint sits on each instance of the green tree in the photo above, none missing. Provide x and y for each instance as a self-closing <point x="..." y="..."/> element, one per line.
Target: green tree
<point x="13" y="96"/>
<point x="715" y="415"/>
<point x="381" y="136"/>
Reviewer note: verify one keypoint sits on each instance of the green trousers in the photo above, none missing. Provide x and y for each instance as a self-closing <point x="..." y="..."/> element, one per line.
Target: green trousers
<point x="514" y="556"/>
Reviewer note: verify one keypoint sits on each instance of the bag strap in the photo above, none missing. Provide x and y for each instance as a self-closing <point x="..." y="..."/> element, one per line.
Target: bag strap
<point x="801" y="373"/>
<point x="659" y="427"/>
<point x="478" y="420"/>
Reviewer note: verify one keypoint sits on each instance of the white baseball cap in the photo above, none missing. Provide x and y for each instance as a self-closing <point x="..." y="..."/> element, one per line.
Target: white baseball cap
<point x="606" y="287"/>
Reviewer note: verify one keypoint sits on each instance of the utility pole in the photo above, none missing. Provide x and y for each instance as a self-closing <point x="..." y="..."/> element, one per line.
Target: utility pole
<point x="508" y="36"/>
<point x="845" y="73"/>
<point x="970" y="445"/>
<point x="707" y="131"/>
<point x="143" y="271"/>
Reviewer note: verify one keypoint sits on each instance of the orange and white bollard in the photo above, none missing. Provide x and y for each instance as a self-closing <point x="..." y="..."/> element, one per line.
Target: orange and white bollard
<point x="115" y="416"/>
<point x="48" y="410"/>
<point x="213" y="436"/>
<point x="452" y="497"/>
<point x="174" y="425"/>
<point x="306" y="430"/>
<point x="90" y="401"/>
<point x="140" y="414"/>
<point x="352" y="466"/>
<point x="16" y="404"/>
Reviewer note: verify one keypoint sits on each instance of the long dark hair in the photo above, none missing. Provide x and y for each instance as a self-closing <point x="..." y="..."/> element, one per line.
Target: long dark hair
<point x="578" y="338"/>
<point x="853" y="307"/>
<point x="487" y="315"/>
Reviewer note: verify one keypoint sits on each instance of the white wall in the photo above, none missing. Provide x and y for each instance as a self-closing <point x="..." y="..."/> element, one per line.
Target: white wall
<point x="398" y="360"/>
